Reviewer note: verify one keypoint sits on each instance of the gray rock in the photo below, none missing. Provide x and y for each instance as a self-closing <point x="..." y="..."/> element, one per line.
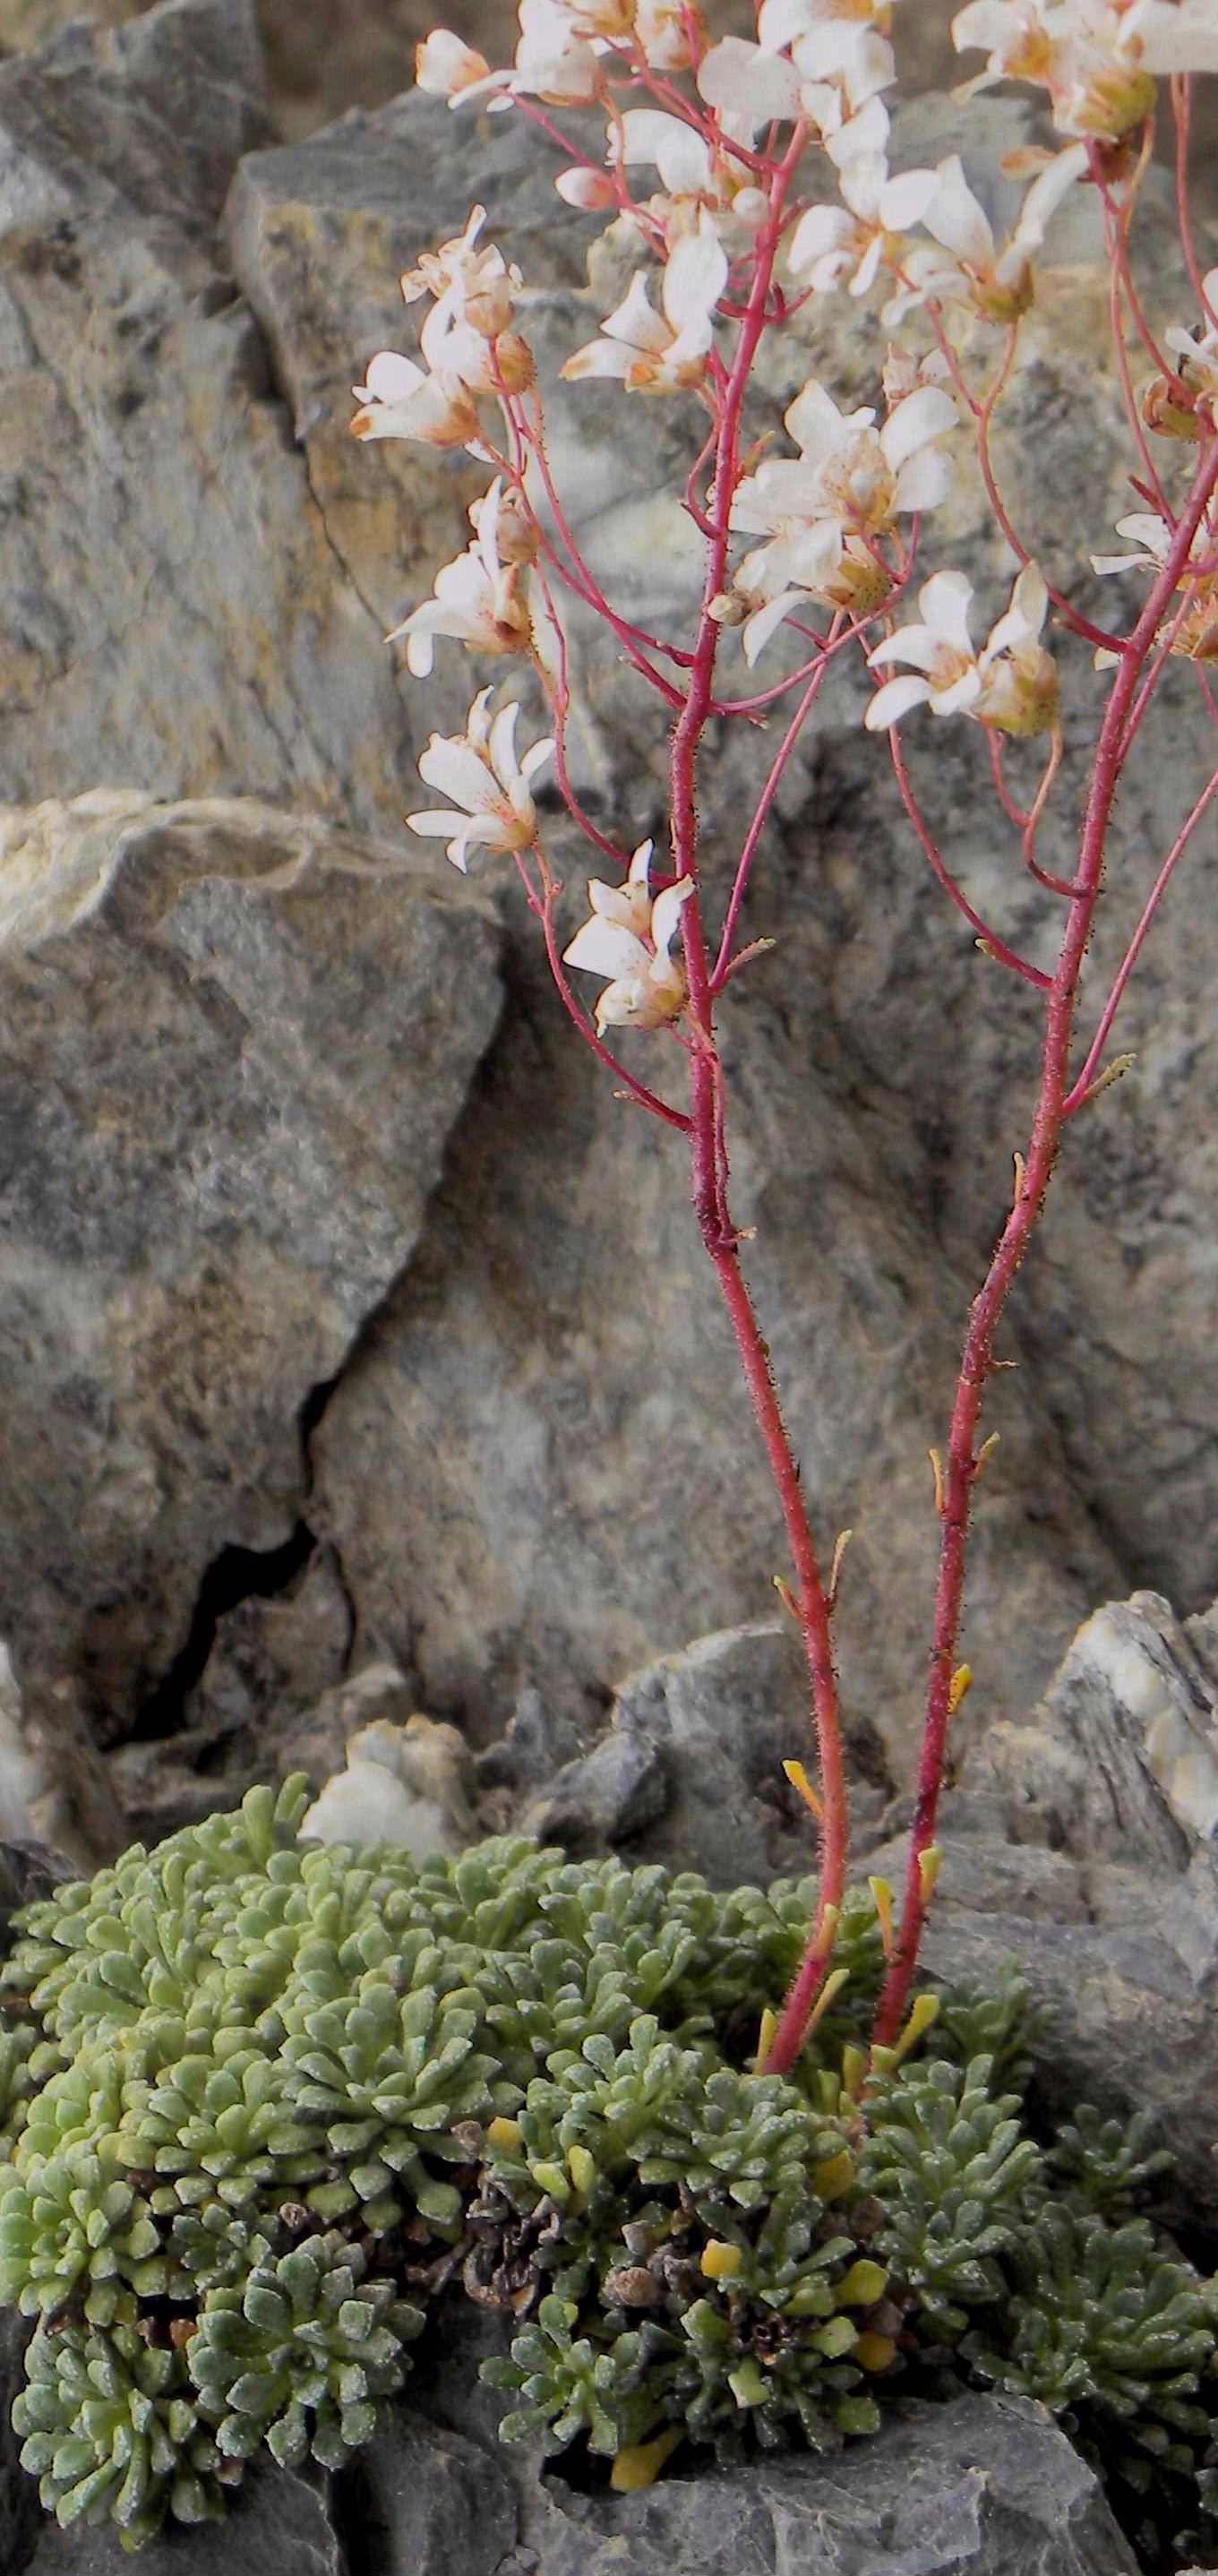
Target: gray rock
<point x="982" y="2487"/>
<point x="20" y="2519"/>
<point x="1121" y="1756"/>
<point x="233" y="1046"/>
<point x="171" y="613"/>
<point x="281" y="2526"/>
<point x="690" y="1771"/>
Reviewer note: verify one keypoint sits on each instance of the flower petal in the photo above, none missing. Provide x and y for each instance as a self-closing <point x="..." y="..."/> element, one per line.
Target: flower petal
<point x="893" y="701"/>
<point x="695" y="277"/>
<point x="944" y="602"/>
<point x="737" y="75"/>
<point x="607" y="948"/>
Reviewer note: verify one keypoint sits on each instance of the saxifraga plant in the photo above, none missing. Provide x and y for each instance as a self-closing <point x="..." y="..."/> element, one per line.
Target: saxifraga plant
<point x="265" y="2100"/>
<point x="775" y="193"/>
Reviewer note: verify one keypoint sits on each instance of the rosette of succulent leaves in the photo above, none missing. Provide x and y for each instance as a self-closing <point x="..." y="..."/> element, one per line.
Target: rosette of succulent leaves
<point x="263" y="2101"/>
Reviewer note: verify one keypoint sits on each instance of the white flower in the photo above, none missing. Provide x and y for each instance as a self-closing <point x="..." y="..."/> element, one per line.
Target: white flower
<point x="480" y="275"/>
<point x="833" y="244"/>
<point x="663" y="30"/>
<point x="1150" y="538"/>
<point x="1010" y="685"/>
<point x="445" y="65"/>
<point x="846" y="59"/>
<point x="657" y="353"/>
<point x="401" y="400"/>
<point x="1171" y="35"/>
<point x="1012" y="33"/>
<point x="1197" y="352"/>
<point x="748" y="80"/>
<point x="479" y="773"/>
<point x="628" y="940"/>
<point x="868" y="477"/>
<point x="488" y="605"/>
<point x="554" y="61"/>
<point x="823" y="510"/>
<point x="694" y="178"/>
<point x="1196" y="633"/>
<point x="998" y="283"/>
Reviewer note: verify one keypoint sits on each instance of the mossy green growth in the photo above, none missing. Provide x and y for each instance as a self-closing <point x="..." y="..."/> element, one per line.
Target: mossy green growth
<point x="261" y="2100"/>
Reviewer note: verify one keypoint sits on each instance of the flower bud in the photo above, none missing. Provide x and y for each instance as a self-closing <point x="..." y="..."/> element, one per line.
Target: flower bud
<point x="444" y="65"/>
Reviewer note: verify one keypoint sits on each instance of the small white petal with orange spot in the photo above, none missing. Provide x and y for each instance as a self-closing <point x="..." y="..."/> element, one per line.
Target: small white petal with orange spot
<point x="628" y="941"/>
<point x="484" y="781"/>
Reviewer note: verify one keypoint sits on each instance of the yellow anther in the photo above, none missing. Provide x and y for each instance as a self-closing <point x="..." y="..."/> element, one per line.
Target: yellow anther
<point x="798" y="1778"/>
<point x="640" y="2465"/>
<point x="720" y="2261"/>
<point x="937" y="1472"/>
<point x="961" y="1685"/>
<point x="881" y="1898"/>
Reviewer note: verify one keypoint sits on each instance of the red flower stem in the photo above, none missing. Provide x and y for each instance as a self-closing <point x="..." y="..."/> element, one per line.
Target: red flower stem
<point x="709" y="1160"/>
<point x="997" y="947"/>
<point x="722" y="966"/>
<point x="1073" y="617"/>
<point x="544" y="908"/>
<point x="1182" y="108"/>
<point x="962" y="1462"/>
<point x="1082" y="1084"/>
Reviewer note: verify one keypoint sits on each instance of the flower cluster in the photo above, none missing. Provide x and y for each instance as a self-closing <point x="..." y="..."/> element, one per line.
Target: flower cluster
<point x="1098" y="60"/>
<point x="628" y="940"/>
<point x="1011" y="684"/>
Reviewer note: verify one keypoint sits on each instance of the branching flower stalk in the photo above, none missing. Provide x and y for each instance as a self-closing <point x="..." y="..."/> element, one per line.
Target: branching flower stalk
<point x="773" y="155"/>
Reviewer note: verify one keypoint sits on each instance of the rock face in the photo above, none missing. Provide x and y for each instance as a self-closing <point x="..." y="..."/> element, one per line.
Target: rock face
<point x="982" y="2487"/>
<point x="535" y="1470"/>
<point x="233" y="1044"/>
